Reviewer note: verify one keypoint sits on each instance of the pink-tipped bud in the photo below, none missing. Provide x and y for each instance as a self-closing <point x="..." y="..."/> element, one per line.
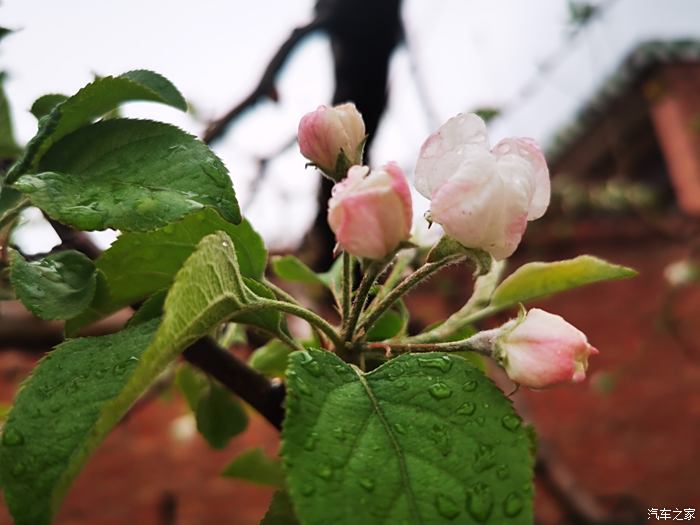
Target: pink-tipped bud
<point x="333" y="138"/>
<point x="482" y="197"/>
<point x="371" y="212"/>
<point x="542" y="350"/>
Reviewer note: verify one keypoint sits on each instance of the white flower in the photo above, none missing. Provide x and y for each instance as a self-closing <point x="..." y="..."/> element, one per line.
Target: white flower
<point x="482" y="197"/>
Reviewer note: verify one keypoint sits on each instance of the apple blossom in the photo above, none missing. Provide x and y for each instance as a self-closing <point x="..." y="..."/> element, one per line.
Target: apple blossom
<point x="482" y="197"/>
<point x="333" y="138"/>
<point x="371" y="212"/>
<point x="541" y="350"/>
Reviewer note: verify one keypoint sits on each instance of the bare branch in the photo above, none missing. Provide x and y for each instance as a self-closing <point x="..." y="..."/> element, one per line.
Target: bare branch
<point x="266" y="85"/>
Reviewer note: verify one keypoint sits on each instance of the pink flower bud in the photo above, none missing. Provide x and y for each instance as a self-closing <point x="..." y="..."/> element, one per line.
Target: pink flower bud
<point x="542" y="350"/>
<point x="326" y="133"/>
<point x="371" y="212"/>
<point x="482" y="198"/>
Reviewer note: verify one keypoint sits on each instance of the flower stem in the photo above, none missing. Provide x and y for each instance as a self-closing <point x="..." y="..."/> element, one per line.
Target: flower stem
<point x="452" y="325"/>
<point x="358" y="304"/>
<point x="481" y="343"/>
<point x="404" y="287"/>
<point x="311" y="317"/>
<point x="347" y="286"/>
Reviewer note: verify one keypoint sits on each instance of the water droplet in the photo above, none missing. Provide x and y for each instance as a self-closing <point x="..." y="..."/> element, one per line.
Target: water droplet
<point x="396" y="370"/>
<point x="302" y="386"/>
<point x="339" y="434"/>
<point x="467" y="409"/>
<point x="446" y="506"/>
<point x="12" y="437"/>
<point x="440" y="435"/>
<point x="401" y="383"/>
<point x="367" y="484"/>
<point x="325" y="471"/>
<point x="442" y="363"/>
<point x="310" y="443"/>
<point x="484" y="458"/>
<point x="313" y="368"/>
<point x="513" y="504"/>
<point x="18" y="469"/>
<point x="480" y="421"/>
<point x="480" y="502"/>
<point x="307" y="490"/>
<point x="399" y="428"/>
<point x="511" y="422"/>
<point x="503" y="472"/>
<point x="486" y="405"/>
<point x="470" y="386"/>
<point x="440" y="391"/>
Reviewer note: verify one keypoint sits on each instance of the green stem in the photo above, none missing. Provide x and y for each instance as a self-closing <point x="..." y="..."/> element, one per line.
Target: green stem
<point x="481" y="343"/>
<point x="307" y="315"/>
<point x="368" y="279"/>
<point x="283" y="295"/>
<point x="397" y="269"/>
<point x="347" y="286"/>
<point x="452" y="325"/>
<point x="12" y="213"/>
<point x="404" y="287"/>
<point x="289" y="341"/>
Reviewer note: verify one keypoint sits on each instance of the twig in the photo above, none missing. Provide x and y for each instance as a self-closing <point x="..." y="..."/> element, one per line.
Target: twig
<point x="266" y="86"/>
<point x="253" y="388"/>
<point x="73" y="239"/>
<point x="261" y="175"/>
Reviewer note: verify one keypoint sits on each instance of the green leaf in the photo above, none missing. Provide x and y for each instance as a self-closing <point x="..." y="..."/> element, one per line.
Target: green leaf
<point x="140" y="263"/>
<point x="132" y="175"/>
<point x="290" y="268"/>
<point x="281" y="511"/>
<point x="58" y="286"/>
<point x="220" y="416"/>
<point x="269" y="320"/>
<point x="12" y="202"/>
<point x="88" y="380"/>
<point x="423" y="439"/>
<point x="150" y="309"/>
<point x="271" y="359"/>
<point x="447" y="247"/>
<point x="192" y="384"/>
<point x="59" y="415"/>
<point x="91" y="102"/>
<point x="255" y="466"/>
<point x="539" y="279"/>
<point x="8" y="146"/>
<point x="389" y="324"/>
<point x="45" y="103"/>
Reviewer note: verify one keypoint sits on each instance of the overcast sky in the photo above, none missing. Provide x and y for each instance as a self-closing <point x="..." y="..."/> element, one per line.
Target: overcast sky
<point x="467" y="53"/>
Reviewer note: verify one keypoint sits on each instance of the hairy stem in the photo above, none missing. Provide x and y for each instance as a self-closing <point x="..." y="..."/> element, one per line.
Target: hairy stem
<point x="404" y="287"/>
<point x="368" y="279"/>
<point x="311" y="317"/>
<point x="347" y="287"/>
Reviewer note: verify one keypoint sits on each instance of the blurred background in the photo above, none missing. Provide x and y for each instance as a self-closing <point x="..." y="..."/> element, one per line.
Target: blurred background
<point x="611" y="91"/>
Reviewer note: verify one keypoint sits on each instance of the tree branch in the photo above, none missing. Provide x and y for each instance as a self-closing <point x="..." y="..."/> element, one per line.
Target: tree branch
<point x="266" y="86"/>
<point x="253" y="388"/>
<point x="205" y="354"/>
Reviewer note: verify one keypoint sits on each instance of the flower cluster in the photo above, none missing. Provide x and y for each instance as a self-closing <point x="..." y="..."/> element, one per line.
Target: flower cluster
<point x="483" y="197"/>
